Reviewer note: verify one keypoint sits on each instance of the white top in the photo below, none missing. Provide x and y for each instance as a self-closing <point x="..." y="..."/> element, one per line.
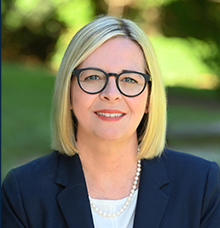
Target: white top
<point x="124" y="220"/>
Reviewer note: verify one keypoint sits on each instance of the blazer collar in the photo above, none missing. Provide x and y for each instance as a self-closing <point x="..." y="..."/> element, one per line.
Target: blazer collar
<point x="74" y="202"/>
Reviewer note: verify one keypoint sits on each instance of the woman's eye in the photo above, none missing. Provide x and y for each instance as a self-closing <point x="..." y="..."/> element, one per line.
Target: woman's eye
<point x="92" y="77"/>
<point x="129" y="80"/>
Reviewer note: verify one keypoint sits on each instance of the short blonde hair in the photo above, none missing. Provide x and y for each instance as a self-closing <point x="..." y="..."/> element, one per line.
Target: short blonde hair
<point x="151" y="131"/>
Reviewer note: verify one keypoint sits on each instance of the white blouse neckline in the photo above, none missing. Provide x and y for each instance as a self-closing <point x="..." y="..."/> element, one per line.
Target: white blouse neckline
<point x="124" y="220"/>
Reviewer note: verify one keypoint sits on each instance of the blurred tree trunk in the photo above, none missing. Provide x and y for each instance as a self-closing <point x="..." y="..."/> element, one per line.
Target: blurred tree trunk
<point x="116" y="7"/>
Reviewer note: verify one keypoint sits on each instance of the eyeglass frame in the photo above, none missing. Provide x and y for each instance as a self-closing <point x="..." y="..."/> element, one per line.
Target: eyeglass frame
<point x="77" y="72"/>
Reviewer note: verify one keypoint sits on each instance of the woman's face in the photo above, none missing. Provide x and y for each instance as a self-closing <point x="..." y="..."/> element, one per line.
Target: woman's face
<point x="109" y="115"/>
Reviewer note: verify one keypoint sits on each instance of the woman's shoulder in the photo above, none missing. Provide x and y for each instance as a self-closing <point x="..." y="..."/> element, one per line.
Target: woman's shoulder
<point x="183" y="158"/>
<point x="32" y="188"/>
<point x="42" y="167"/>
<point x="179" y="163"/>
<point x="41" y="163"/>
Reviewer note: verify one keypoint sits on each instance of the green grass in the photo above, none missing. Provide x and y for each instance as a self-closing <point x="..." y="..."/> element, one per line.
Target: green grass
<point x="193" y="105"/>
<point x="26" y="105"/>
<point x="26" y="110"/>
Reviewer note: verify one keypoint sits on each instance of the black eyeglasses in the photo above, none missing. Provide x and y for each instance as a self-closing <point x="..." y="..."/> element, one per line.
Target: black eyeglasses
<point x="94" y="80"/>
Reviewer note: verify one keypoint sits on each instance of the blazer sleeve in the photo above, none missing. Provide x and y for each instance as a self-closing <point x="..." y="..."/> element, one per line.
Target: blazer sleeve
<point x="210" y="215"/>
<point x="13" y="213"/>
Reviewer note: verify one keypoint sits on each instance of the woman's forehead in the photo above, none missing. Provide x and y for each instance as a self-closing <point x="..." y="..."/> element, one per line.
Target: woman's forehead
<point x="119" y="52"/>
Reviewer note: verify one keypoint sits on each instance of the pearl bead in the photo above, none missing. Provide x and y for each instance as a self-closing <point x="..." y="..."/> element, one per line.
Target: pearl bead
<point x="134" y="187"/>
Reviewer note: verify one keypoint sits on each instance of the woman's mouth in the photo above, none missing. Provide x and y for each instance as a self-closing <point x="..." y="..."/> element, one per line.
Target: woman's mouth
<point x="109" y="114"/>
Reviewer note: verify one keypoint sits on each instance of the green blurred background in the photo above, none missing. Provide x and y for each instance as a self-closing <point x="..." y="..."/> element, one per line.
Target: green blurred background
<point x="186" y="38"/>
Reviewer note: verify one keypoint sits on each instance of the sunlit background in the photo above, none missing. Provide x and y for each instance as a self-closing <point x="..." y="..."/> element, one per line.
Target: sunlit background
<point x="186" y="38"/>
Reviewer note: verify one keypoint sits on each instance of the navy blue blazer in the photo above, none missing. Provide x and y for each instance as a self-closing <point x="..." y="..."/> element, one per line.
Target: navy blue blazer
<point x="176" y="191"/>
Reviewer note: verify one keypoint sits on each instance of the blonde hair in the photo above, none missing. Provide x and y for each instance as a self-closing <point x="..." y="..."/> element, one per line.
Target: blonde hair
<point x="151" y="131"/>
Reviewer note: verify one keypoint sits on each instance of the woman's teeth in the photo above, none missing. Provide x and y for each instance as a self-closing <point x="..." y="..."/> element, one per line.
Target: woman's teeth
<point x="109" y="114"/>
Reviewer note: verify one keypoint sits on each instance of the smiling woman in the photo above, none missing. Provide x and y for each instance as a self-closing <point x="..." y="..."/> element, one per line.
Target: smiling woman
<point x="83" y="46"/>
<point x="109" y="167"/>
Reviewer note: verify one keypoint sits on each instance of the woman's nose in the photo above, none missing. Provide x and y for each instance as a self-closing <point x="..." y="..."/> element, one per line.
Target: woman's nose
<point x="111" y="92"/>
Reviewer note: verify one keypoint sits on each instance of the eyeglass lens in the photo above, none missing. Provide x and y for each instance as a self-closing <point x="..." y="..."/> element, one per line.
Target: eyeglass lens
<point x="129" y="83"/>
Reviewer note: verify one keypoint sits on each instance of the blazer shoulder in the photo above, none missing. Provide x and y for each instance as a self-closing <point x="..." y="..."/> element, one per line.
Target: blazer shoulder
<point x="31" y="190"/>
<point x="183" y="164"/>
<point x="38" y="168"/>
<point x="198" y="179"/>
<point x="184" y="158"/>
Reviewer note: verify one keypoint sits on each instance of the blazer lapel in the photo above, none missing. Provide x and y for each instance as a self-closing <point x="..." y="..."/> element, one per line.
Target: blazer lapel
<point x="73" y="199"/>
<point x="152" y="201"/>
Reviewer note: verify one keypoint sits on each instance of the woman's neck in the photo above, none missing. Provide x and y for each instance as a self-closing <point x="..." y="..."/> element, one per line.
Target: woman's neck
<point x="109" y="168"/>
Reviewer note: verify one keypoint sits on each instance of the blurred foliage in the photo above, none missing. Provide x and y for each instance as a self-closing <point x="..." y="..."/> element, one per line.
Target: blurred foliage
<point x="31" y="30"/>
<point x="185" y="33"/>
<point x="199" y="19"/>
<point x="181" y="63"/>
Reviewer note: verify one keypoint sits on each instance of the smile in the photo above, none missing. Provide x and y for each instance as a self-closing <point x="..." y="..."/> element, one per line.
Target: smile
<point x="109" y="114"/>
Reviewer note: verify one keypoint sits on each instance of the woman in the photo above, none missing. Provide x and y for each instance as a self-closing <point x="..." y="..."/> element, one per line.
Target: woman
<point x="109" y="167"/>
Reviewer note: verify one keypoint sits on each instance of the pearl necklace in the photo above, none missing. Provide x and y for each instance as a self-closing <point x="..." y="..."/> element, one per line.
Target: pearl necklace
<point x="134" y="187"/>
